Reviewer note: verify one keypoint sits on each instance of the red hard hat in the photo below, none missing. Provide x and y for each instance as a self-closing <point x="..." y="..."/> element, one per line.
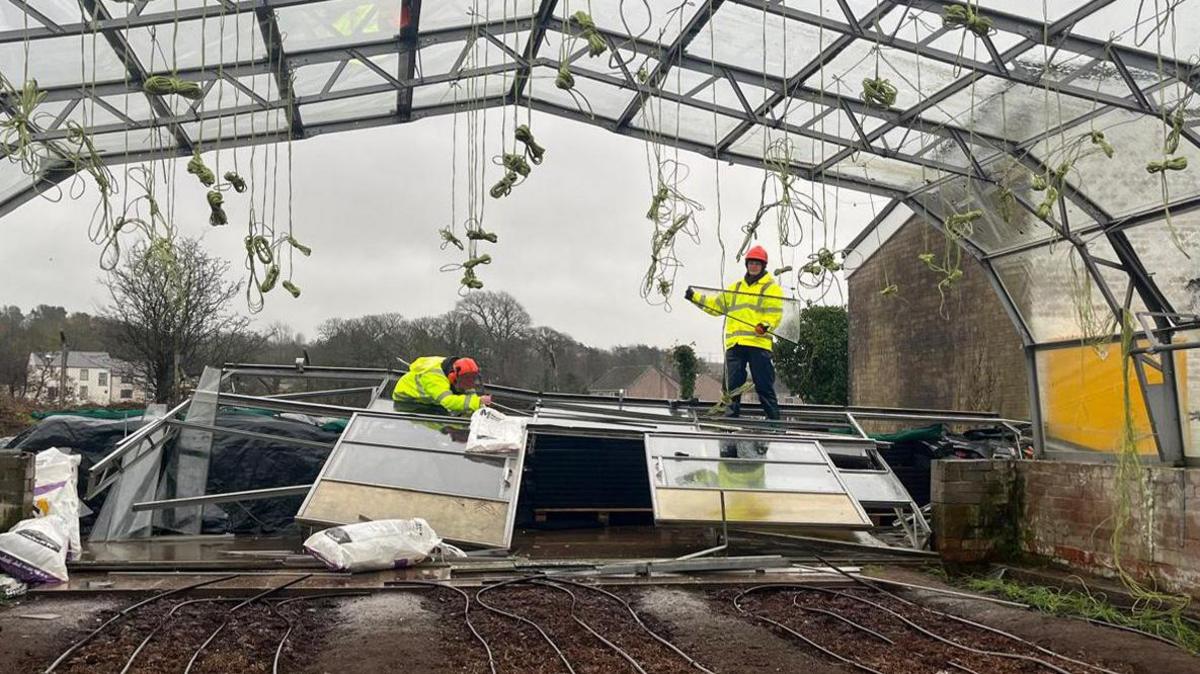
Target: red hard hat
<point x="757" y="253"/>
<point x="464" y="370"/>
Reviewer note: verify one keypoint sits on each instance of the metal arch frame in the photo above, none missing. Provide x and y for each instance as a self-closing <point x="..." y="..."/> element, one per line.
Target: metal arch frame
<point x="280" y="63"/>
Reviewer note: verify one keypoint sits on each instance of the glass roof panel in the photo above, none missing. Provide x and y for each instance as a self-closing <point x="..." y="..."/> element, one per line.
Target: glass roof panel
<point x="1047" y="11"/>
<point x="120" y="142"/>
<point x="357" y="107"/>
<point x="970" y="46"/>
<point x="12" y="180"/>
<point x="358" y="74"/>
<point x="1137" y="24"/>
<point x="90" y="113"/>
<point x="909" y="23"/>
<point x="120" y="9"/>
<point x="999" y="107"/>
<point x="1122" y="185"/>
<point x="670" y="119"/>
<point x="58" y="11"/>
<point x="337" y="23"/>
<point x="838" y="123"/>
<point x="59" y="61"/>
<point x="844" y="75"/>
<point x="804" y="150"/>
<point x="461" y="91"/>
<point x="1169" y="251"/>
<point x="737" y="38"/>
<point x="189" y="44"/>
<point x="887" y="170"/>
<point x="310" y="80"/>
<point x="655" y="20"/>
<point x="591" y="96"/>
<point x="833" y="10"/>
<point x="452" y="13"/>
<point x="1057" y="297"/>
<point x="237" y="126"/>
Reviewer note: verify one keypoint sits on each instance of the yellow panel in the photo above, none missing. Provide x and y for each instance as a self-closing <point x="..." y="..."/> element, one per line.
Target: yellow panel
<point x="1083" y="401"/>
<point x="452" y="517"/>
<point x="761" y="507"/>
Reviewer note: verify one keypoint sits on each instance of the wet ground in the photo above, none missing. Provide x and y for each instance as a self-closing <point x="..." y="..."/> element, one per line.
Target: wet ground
<point x="543" y="628"/>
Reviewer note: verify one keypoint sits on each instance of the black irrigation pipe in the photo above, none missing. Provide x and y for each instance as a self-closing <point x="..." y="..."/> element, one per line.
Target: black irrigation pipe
<point x="949" y="642"/>
<point x="965" y="621"/>
<point x="583" y="623"/>
<point x="615" y="597"/>
<point x="758" y="588"/>
<point x="125" y="613"/>
<point x="290" y="625"/>
<point x="466" y="612"/>
<point x="229" y="616"/>
<point x="837" y="616"/>
<point x="166" y="621"/>
<point x="499" y="611"/>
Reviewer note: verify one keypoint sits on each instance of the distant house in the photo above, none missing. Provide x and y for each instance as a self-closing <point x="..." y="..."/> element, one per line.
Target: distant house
<point x="649" y="381"/>
<point x="93" y="377"/>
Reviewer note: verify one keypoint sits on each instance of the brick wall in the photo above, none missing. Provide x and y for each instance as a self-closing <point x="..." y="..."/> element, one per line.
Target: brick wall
<point x="1063" y="513"/>
<point x="903" y="353"/>
<point x="16" y="488"/>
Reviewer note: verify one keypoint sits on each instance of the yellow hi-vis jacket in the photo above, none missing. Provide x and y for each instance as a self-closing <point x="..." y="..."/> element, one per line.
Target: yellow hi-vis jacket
<point x="426" y="383"/>
<point x="745" y="305"/>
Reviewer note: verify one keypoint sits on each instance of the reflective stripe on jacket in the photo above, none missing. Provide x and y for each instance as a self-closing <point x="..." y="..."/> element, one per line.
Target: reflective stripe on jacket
<point x="427" y="384"/>
<point x="746" y="305"/>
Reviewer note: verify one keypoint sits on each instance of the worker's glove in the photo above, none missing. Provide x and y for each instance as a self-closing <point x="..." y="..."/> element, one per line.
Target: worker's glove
<point x="760" y="329"/>
<point x="485" y="400"/>
<point x="689" y="294"/>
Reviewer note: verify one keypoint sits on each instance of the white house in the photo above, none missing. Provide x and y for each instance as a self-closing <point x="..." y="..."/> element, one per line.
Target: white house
<point x="93" y="377"/>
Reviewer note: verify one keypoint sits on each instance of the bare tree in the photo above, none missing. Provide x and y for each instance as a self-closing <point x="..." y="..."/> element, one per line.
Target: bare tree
<point x="170" y="307"/>
<point x="499" y="315"/>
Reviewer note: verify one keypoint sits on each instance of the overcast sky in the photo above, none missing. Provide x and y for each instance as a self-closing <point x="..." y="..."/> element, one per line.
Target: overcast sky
<point x="574" y="240"/>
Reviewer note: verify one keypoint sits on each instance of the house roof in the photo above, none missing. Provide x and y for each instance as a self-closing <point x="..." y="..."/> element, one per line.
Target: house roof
<point x="99" y="360"/>
<point x="622" y="377"/>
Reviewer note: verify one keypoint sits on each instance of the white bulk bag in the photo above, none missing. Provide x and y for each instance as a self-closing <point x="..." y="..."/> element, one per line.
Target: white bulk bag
<point x="372" y="546"/>
<point x="35" y="550"/>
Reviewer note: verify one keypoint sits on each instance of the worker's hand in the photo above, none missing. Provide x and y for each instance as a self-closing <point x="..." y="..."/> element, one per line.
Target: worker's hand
<point x="760" y="329"/>
<point x="484" y="401"/>
<point x="689" y="294"/>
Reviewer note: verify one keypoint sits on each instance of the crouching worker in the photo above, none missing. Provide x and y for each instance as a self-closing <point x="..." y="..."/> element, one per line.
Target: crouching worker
<point x="442" y="382"/>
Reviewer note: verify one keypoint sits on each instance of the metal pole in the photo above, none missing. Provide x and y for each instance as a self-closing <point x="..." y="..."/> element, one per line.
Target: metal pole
<point x="62" y="375"/>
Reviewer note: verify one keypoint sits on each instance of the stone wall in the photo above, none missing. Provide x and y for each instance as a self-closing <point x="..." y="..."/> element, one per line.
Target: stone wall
<point x="914" y="349"/>
<point x="16" y="488"/>
<point x="1063" y="513"/>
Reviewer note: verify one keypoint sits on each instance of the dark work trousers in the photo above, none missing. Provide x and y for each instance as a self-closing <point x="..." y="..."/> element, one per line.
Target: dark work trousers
<point x="762" y="370"/>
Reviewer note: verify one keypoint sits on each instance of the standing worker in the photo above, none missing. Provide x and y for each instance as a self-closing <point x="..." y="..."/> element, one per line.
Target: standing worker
<point x="433" y="381"/>
<point x="753" y="307"/>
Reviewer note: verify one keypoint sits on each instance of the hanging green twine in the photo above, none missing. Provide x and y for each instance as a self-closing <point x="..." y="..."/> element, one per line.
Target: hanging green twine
<point x="517" y="164"/>
<point x="216" y="202"/>
<point x="656" y="202"/>
<point x="596" y="44"/>
<point x="878" y="92"/>
<point x="1169" y="164"/>
<point x="480" y="235"/>
<point x="476" y="261"/>
<point x="196" y="167"/>
<point x="781" y="271"/>
<point x="164" y="85"/>
<point x="889" y="290"/>
<point x="259" y="247"/>
<point x="823" y="260"/>
<point x="1045" y="208"/>
<point x="469" y="280"/>
<point x="300" y="248"/>
<point x="965" y="16"/>
<point x="504" y="187"/>
<point x="269" y="279"/>
<point x="239" y="185"/>
<point x="1099" y="139"/>
<point x="1171" y="144"/>
<point x="960" y="225"/>
<point x="16" y="131"/>
<point x="565" y="80"/>
<point x="449" y="239"/>
<point x="292" y="288"/>
<point x="534" y="151"/>
<point x="927" y="258"/>
<point x="726" y="400"/>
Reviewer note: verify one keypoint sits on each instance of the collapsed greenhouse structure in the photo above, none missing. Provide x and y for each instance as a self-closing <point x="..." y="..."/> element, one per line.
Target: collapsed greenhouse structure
<point x="1052" y="145"/>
